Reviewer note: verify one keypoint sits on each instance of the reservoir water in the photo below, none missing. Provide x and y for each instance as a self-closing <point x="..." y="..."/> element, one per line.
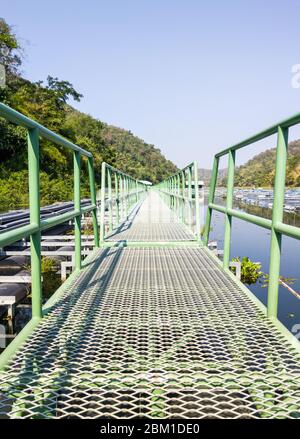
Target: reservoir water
<point x="254" y="242"/>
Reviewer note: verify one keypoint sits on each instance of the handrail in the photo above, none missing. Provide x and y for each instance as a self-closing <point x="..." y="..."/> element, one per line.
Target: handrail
<point x="287" y="123"/>
<point x="119" y="193"/>
<point x="177" y="195"/>
<point x="34" y="132"/>
<point x="19" y="119"/>
<point x="276" y="225"/>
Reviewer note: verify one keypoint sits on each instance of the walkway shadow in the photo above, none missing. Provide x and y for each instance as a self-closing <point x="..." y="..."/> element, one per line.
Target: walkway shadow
<point x="43" y="373"/>
<point x="125" y="225"/>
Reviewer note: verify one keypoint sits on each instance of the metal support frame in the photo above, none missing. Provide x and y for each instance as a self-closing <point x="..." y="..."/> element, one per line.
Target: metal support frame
<point x="276" y="225"/>
<point x="119" y="194"/>
<point x="36" y="226"/>
<point x="177" y="196"/>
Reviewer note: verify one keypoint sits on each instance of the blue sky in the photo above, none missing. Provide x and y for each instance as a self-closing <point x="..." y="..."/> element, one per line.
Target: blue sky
<point x="191" y="77"/>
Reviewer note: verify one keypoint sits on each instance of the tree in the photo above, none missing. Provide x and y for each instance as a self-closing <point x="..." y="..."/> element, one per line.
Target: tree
<point x="10" y="50"/>
<point x="63" y="90"/>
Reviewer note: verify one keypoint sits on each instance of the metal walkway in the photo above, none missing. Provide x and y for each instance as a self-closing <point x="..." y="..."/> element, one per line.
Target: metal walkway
<point x="152" y="220"/>
<point x="153" y="332"/>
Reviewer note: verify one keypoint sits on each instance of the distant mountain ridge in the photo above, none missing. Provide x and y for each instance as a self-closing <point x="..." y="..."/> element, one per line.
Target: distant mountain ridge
<point x="260" y="170"/>
<point x="205" y="174"/>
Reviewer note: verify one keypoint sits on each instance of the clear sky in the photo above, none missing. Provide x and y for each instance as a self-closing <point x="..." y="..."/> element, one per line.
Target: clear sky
<point x="189" y="76"/>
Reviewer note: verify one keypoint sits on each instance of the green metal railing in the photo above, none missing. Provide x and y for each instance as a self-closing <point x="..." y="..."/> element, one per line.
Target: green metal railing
<point x="37" y="225"/>
<point x="119" y="193"/>
<point x="276" y="225"/>
<point x="181" y="193"/>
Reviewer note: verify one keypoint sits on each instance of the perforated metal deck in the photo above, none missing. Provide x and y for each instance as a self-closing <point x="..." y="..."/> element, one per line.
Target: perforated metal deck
<point x="152" y="221"/>
<point x="158" y="333"/>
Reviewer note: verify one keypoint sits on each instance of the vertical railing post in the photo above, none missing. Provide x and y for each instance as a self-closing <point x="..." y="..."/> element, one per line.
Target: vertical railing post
<point x="125" y="196"/>
<point x="190" y="195"/>
<point x="77" y="206"/>
<point x="211" y="198"/>
<point x="136" y="191"/>
<point x="178" y="196"/>
<point x="197" y="206"/>
<point x="277" y="216"/>
<point x="110" y="213"/>
<point x="93" y="200"/>
<point x="229" y="201"/>
<point x="34" y="206"/>
<point x="102" y="206"/>
<point x="122" y="196"/>
<point x="117" y="198"/>
<point x="183" y="196"/>
<point x="130" y="192"/>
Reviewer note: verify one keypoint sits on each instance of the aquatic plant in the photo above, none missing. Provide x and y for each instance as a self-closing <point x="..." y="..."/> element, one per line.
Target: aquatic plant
<point x="250" y="271"/>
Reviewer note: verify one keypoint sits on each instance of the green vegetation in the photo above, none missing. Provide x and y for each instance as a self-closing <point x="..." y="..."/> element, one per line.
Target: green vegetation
<point x="260" y="170"/>
<point x="205" y="174"/>
<point x="250" y="271"/>
<point x="47" y="103"/>
<point x="51" y="279"/>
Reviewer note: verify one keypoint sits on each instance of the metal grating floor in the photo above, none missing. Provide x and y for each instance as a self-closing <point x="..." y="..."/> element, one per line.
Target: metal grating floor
<point x="153" y="221"/>
<point x="158" y="333"/>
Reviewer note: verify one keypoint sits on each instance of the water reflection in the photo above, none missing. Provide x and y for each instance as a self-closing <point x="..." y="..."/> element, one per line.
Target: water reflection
<point x="254" y="242"/>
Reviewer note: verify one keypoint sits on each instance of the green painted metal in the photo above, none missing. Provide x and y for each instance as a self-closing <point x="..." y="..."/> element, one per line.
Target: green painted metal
<point x="19" y="119"/>
<point x="117" y="198"/>
<point x="229" y="201"/>
<point x="208" y="350"/>
<point x="277" y="217"/>
<point x="177" y="192"/>
<point x="77" y="219"/>
<point x="110" y="208"/>
<point x="277" y="227"/>
<point x="93" y="200"/>
<point x="197" y="200"/>
<point x="287" y="123"/>
<point x="102" y="201"/>
<point x="34" y="203"/>
<point x="17" y="343"/>
<point x="119" y="359"/>
<point x="119" y="202"/>
<point x="211" y="196"/>
<point x="33" y="230"/>
<point x="11" y="236"/>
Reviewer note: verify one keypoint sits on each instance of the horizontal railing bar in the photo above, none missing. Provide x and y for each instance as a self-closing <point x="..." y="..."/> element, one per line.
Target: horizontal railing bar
<point x="294" y="120"/>
<point x="180" y="171"/>
<point x="14" y="235"/>
<point x="254" y="219"/>
<point x="88" y="208"/>
<point x="59" y="219"/>
<point x="117" y="171"/>
<point x="217" y="207"/>
<point x="286" y="229"/>
<point x="177" y="195"/>
<point x="19" y="119"/>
